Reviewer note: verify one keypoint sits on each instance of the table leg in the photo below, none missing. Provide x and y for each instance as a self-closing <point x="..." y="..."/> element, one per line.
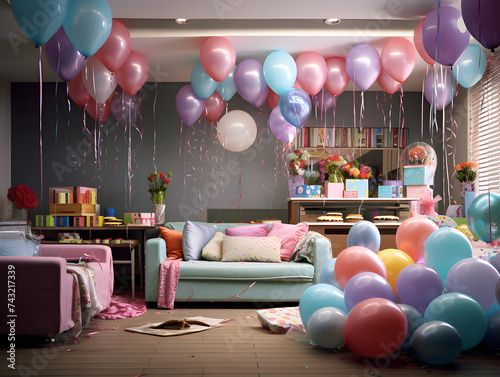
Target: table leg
<point x="132" y="270"/>
<point x="141" y="269"/>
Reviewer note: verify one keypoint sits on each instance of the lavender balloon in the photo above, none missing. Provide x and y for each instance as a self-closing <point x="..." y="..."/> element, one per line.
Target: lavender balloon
<point x="125" y="108"/>
<point x="280" y="128"/>
<point x="295" y="106"/>
<point x="439" y="88"/>
<point x="366" y="285"/>
<point x="63" y="57"/>
<point x="495" y="262"/>
<point x="249" y="80"/>
<point x="259" y="102"/>
<point x="363" y="65"/>
<point x="188" y="105"/>
<point x="441" y="36"/>
<point x="323" y="100"/>
<point x="497" y="291"/>
<point x="481" y="19"/>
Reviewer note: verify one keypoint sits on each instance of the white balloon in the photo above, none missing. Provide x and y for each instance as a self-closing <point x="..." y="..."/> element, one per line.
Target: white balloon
<point x="99" y="81"/>
<point x="236" y="131"/>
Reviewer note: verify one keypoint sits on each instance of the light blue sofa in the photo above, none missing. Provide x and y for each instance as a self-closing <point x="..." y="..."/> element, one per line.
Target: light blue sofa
<point x="222" y="281"/>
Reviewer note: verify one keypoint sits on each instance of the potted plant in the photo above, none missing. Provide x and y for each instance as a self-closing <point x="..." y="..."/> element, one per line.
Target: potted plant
<point x="158" y="185"/>
<point x="466" y="175"/>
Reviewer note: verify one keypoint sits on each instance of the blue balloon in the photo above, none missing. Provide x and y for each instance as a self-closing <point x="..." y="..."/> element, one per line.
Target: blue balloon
<point x="88" y="24"/>
<point x="415" y="320"/>
<point x="226" y="88"/>
<point x="40" y="20"/>
<point x="320" y="296"/>
<point x="295" y="106"/>
<point x="445" y="247"/>
<point x="471" y="66"/>
<point x="436" y="343"/>
<point x="280" y="71"/>
<point x="484" y="215"/>
<point x="462" y="312"/>
<point x="202" y="83"/>
<point x="364" y="233"/>
<point x="492" y="337"/>
<point x="327" y="274"/>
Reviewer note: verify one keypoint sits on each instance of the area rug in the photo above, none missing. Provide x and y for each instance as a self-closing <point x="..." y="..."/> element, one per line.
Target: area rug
<point x="121" y="307"/>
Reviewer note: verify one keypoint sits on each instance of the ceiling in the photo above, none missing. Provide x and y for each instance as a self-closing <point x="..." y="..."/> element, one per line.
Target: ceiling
<point x="254" y="27"/>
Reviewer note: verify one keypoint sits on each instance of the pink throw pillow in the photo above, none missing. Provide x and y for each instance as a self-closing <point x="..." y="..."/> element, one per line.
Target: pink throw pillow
<point x="290" y="235"/>
<point x="254" y="230"/>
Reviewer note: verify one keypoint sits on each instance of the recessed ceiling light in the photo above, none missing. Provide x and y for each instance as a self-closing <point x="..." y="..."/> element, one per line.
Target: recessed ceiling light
<point x="332" y="21"/>
<point x="181" y="21"/>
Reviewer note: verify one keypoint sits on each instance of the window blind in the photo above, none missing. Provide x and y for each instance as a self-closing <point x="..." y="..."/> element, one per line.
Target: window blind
<point x="484" y="126"/>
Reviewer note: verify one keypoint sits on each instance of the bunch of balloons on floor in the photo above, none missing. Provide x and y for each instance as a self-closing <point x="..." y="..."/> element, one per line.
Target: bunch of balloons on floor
<point x="429" y="297"/>
<point x="89" y="50"/>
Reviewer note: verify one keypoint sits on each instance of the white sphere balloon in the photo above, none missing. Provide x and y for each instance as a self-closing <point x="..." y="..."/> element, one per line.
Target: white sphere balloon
<point x="236" y="131"/>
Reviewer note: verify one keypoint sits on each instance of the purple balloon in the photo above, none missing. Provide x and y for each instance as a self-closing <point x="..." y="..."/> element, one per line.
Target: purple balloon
<point x="481" y="19"/>
<point x="262" y="99"/>
<point x="417" y="285"/>
<point x="189" y="106"/>
<point x="295" y="106"/>
<point x="280" y="128"/>
<point x="497" y="291"/>
<point x="363" y="65"/>
<point x="366" y="285"/>
<point x="125" y="108"/>
<point x="63" y="57"/>
<point x="249" y="80"/>
<point x="447" y="43"/>
<point x="439" y="88"/>
<point x="323" y="100"/>
<point x="495" y="262"/>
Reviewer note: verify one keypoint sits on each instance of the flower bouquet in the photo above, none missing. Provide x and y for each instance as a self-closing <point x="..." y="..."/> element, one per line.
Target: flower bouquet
<point x="333" y="166"/>
<point x="297" y="161"/>
<point x="465" y="171"/>
<point x="158" y="185"/>
<point x="24" y="199"/>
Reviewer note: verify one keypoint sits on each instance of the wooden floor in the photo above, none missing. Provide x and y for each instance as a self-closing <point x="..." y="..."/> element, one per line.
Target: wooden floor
<point x="241" y="348"/>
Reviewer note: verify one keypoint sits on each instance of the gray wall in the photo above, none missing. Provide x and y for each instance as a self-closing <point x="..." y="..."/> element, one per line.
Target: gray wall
<point x="204" y="174"/>
<point x="5" y="148"/>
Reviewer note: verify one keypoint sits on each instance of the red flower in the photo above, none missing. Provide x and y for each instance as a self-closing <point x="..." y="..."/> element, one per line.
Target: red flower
<point x="335" y="158"/>
<point x="292" y="165"/>
<point x="302" y="164"/>
<point x="166" y="180"/>
<point x="363" y="175"/>
<point x="23" y="197"/>
<point x="150" y="178"/>
<point x="161" y="175"/>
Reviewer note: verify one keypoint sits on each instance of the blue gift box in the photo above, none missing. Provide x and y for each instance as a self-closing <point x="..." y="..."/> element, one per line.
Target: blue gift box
<point x="359" y="185"/>
<point x="309" y="191"/>
<point x="385" y="192"/>
<point x="418" y="175"/>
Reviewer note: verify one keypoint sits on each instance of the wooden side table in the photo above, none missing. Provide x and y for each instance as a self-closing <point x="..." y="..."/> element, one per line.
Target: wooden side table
<point x="131" y="245"/>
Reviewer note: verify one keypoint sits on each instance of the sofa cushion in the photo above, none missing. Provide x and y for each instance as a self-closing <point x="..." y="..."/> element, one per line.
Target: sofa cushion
<point x="290" y="235"/>
<point x="213" y="249"/>
<point x="194" y="238"/>
<point x="254" y="230"/>
<point x="251" y="249"/>
<point x="173" y="239"/>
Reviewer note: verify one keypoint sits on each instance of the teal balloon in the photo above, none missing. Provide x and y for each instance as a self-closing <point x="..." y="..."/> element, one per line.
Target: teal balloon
<point x="445" y="247"/>
<point x="327" y="274"/>
<point x="88" y="24"/>
<point x="492" y="337"/>
<point x="415" y="319"/>
<point x="40" y="20"/>
<point x="202" y="83"/>
<point x="462" y="312"/>
<point x="436" y="343"/>
<point x="280" y="71"/>
<point x="226" y="88"/>
<point x="320" y="296"/>
<point x="484" y="215"/>
<point x="471" y="66"/>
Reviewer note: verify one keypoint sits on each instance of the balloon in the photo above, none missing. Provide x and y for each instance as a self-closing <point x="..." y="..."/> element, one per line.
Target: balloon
<point x="363" y="65"/>
<point x="317" y="297"/>
<point x="98" y="111"/>
<point x="415" y="319"/>
<point x="217" y="56"/>
<point x="436" y="343"/>
<point x="366" y="285"/>
<point x="492" y="337"/>
<point x="442" y="38"/>
<point x="439" y="88"/>
<point x="63" y="57"/>
<point x="125" y="108"/>
<point x="395" y="261"/>
<point x="226" y="88"/>
<point x="412" y="234"/>
<point x="471" y="66"/>
<point x="116" y="49"/>
<point x="375" y="328"/>
<point x="327" y="274"/>
<point x="280" y="128"/>
<point x="337" y="77"/>
<point x="311" y="71"/>
<point x="273" y="99"/>
<point x="237" y="131"/>
<point x="398" y="58"/>
<point x="214" y="107"/>
<point x="133" y="74"/>
<point x="203" y="84"/>
<point x="444" y="248"/>
<point x="417" y="285"/>
<point x="463" y="313"/>
<point x="99" y="81"/>
<point x="481" y="20"/>
<point x="326" y="327"/>
<point x="38" y="19"/>
<point x="357" y="259"/>
<point x="497" y="292"/>
<point x="249" y="80"/>
<point x="484" y="215"/>
<point x="259" y="102"/>
<point x="295" y="106"/>
<point x="387" y="83"/>
<point x="495" y="262"/>
<point x="417" y="41"/>
<point x="280" y="71"/>
<point x="78" y="92"/>
<point x="475" y="278"/>
<point x="189" y="106"/>
<point x="323" y="100"/>
<point x="364" y="233"/>
<point x="88" y="24"/>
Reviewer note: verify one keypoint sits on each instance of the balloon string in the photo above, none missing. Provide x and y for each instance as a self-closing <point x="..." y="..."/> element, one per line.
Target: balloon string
<point x="422" y="106"/>
<point x="489" y="213"/>
<point x="154" y="125"/>
<point x="139" y="130"/>
<point x="41" y="128"/>
<point x="437" y="33"/>
<point x="57" y="108"/>
<point x="239" y="183"/>
<point x="180" y="171"/>
<point x="334" y="108"/>
<point x="69" y="113"/>
<point x="116" y="149"/>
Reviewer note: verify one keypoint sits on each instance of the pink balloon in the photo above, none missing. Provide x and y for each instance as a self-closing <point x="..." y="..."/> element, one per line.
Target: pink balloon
<point x="99" y="81"/>
<point x="419" y="45"/>
<point x="398" y="58"/>
<point x="214" y="107"/>
<point x="297" y="85"/>
<point x="133" y="74"/>
<point x="311" y="71"/>
<point x="116" y="49"/>
<point x="337" y="78"/>
<point x="217" y="57"/>
<point x="273" y="99"/>
<point x="98" y="111"/>
<point x="412" y="234"/>
<point x="387" y="83"/>
<point x="78" y="92"/>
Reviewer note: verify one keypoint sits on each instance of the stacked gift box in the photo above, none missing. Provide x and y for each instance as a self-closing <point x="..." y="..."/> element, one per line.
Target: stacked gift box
<point x="143" y="218"/>
<point x="417" y="183"/>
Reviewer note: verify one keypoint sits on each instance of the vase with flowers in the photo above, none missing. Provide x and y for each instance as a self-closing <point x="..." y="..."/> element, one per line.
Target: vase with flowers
<point x="24" y="200"/>
<point x="297" y="161"/>
<point x="158" y="185"/>
<point x="466" y="175"/>
<point x="334" y="183"/>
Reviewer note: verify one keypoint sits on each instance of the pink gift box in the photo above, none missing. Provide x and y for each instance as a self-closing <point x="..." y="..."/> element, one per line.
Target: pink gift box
<point x="418" y="191"/>
<point x="350" y="194"/>
<point x="334" y="190"/>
